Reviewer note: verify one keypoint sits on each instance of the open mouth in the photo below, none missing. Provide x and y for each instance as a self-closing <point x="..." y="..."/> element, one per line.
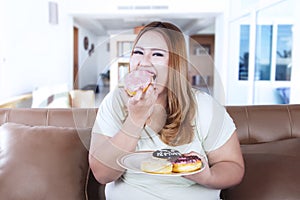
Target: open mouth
<point x="154" y="76"/>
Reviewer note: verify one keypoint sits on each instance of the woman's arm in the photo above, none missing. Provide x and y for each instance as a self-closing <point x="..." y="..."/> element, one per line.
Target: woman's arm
<point x="104" y="150"/>
<point x="226" y="166"/>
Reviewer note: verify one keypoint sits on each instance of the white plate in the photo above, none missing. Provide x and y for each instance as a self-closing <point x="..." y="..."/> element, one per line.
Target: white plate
<point x="133" y="161"/>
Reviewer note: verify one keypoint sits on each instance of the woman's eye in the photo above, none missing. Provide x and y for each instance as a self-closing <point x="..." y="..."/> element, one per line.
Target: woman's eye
<point x="138" y="52"/>
<point x="158" y="54"/>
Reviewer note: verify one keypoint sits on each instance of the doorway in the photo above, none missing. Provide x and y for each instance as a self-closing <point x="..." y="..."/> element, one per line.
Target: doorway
<point x="75" y="58"/>
<point x="201" y="53"/>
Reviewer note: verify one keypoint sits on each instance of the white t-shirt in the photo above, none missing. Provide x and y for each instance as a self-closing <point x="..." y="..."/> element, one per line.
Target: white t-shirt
<point x="213" y="127"/>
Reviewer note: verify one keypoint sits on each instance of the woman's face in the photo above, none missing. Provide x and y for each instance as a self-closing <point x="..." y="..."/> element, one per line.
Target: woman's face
<point x="151" y="53"/>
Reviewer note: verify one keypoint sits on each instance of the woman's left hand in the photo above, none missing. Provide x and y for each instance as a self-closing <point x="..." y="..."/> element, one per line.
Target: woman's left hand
<point x="225" y="166"/>
<point x="204" y="174"/>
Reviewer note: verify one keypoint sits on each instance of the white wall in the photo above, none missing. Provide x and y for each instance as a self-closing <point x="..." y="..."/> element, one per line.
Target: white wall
<point x="295" y="87"/>
<point x="102" y="7"/>
<point x="34" y="52"/>
<point x="220" y="69"/>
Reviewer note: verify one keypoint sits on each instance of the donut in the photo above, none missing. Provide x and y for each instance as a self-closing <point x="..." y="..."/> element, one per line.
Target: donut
<point x="186" y="164"/>
<point x="156" y="166"/>
<point x="136" y="80"/>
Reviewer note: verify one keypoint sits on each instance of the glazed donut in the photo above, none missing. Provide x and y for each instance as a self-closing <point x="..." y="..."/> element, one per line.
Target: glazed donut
<point x="156" y="166"/>
<point x="138" y="79"/>
<point x="187" y="164"/>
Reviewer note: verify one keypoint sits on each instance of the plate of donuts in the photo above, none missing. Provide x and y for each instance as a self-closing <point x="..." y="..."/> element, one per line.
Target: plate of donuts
<point x="148" y="162"/>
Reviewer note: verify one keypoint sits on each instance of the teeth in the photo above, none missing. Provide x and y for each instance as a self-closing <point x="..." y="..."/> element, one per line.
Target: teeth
<point x="153" y="75"/>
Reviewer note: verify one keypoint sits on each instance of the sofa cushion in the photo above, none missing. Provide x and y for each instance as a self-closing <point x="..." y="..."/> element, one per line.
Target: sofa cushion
<point x="43" y="162"/>
<point x="271" y="172"/>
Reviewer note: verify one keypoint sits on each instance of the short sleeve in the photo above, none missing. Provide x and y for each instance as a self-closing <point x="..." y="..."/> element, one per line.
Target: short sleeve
<point x="214" y="125"/>
<point x="111" y="114"/>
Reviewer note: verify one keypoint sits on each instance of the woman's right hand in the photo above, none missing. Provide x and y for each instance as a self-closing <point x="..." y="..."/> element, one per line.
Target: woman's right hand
<point x="141" y="105"/>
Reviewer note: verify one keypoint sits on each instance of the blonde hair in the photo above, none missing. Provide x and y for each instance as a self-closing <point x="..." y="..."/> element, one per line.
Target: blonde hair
<point x="180" y="109"/>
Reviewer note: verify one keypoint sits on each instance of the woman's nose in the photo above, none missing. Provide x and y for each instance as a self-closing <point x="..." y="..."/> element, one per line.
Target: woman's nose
<point x="145" y="61"/>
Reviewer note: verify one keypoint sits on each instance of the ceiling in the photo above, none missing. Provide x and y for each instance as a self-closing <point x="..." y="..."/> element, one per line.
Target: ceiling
<point x="106" y="26"/>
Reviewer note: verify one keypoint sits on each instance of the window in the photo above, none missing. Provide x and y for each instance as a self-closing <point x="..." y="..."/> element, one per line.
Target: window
<point x="244" y="52"/>
<point x="263" y="52"/>
<point x="262" y="44"/>
<point x="284" y="53"/>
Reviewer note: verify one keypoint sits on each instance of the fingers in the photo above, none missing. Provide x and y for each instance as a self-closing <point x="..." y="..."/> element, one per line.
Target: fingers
<point x="136" y="98"/>
<point x="140" y="106"/>
<point x="150" y="95"/>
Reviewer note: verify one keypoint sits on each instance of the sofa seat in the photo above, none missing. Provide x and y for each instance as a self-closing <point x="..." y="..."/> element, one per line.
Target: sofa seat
<point x="273" y="168"/>
<point x="270" y="142"/>
<point x="287" y="147"/>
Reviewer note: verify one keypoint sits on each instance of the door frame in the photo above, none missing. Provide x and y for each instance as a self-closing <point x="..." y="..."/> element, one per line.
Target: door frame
<point x="75" y="58"/>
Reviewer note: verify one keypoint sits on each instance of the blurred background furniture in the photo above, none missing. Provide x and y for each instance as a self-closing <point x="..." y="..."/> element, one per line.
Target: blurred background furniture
<point x="66" y="99"/>
<point x="93" y="87"/>
<point x="20" y="101"/>
<point x="82" y="98"/>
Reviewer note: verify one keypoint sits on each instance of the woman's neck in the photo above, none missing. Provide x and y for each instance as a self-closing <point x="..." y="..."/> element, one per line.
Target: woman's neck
<point x="162" y="99"/>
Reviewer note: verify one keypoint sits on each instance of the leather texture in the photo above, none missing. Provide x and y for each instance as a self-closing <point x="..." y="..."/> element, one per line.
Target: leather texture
<point x="46" y="121"/>
<point x="269" y="137"/>
<point x="266" y="123"/>
<point x="270" y="142"/>
<point x="39" y="162"/>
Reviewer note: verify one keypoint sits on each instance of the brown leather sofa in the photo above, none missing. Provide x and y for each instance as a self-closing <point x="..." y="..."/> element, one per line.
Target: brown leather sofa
<point x="43" y="153"/>
<point x="270" y="142"/>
